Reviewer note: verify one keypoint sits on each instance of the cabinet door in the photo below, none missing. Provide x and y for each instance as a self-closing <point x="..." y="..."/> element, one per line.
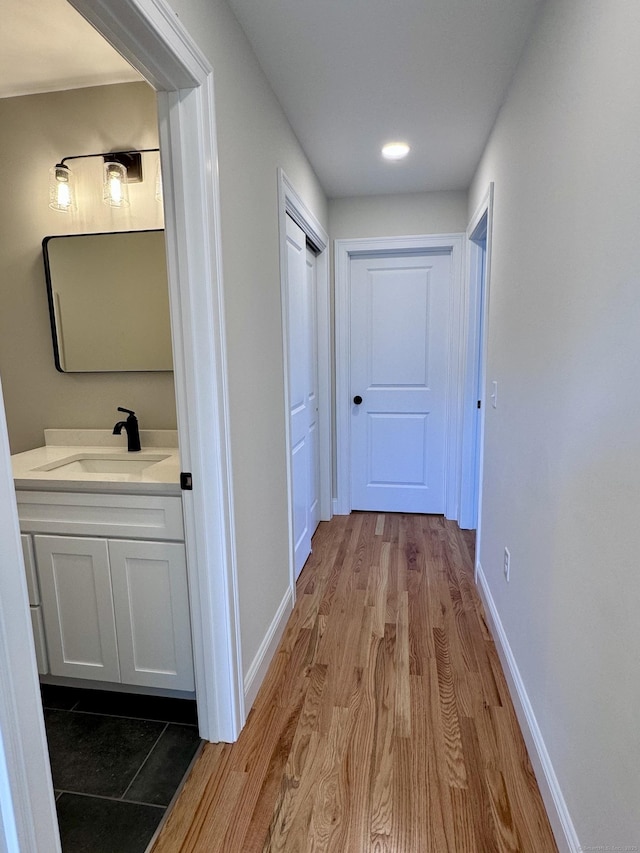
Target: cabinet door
<point x="37" y="626"/>
<point x="152" y="613"/>
<point x="30" y="569"/>
<point x="77" y="606"/>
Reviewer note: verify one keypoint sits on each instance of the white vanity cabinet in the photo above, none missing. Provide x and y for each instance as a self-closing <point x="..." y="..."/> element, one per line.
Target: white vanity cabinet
<point x="114" y="608"/>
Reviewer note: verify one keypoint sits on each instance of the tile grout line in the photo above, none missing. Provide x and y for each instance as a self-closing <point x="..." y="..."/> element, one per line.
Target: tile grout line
<point x="120" y="716"/>
<point x="62" y="791"/>
<point x="174" y="798"/>
<point x="145" y="761"/>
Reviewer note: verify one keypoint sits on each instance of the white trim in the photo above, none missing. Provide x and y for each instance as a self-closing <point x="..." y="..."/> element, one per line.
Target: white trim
<point x="260" y="664"/>
<point x="151" y="37"/>
<point x="27" y="807"/>
<point x="475" y="333"/>
<point x="344" y="251"/>
<point x="556" y="806"/>
<point x="291" y="203"/>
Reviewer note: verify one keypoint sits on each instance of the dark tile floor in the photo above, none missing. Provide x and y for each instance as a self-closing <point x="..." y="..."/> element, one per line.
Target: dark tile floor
<point x="117" y="759"/>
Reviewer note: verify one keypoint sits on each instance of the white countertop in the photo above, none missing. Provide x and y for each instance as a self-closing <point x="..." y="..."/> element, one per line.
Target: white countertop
<point x="159" y="478"/>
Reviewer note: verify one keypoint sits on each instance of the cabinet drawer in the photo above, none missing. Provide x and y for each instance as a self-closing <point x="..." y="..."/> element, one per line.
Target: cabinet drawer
<point x="79" y="514"/>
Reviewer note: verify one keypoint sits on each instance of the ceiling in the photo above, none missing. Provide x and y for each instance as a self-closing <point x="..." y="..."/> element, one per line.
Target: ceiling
<point x="350" y="75"/>
<point x="46" y="46"/>
<point x="353" y="74"/>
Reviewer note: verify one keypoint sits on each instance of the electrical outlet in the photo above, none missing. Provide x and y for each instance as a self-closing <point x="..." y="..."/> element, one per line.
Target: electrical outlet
<point x="507" y="564"/>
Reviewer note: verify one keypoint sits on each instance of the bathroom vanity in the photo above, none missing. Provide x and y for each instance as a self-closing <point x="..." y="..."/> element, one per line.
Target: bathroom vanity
<point x="103" y="540"/>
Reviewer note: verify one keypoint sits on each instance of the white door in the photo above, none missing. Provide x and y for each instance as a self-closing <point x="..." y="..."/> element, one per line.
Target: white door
<point x="303" y="413"/>
<point x="399" y="367"/>
<point x="312" y="345"/>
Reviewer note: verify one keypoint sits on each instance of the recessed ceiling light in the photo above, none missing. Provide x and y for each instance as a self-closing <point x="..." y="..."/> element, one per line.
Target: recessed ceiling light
<point x="395" y="150"/>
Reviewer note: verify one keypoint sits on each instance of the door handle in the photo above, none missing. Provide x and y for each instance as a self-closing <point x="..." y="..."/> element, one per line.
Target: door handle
<point x="357" y="399"/>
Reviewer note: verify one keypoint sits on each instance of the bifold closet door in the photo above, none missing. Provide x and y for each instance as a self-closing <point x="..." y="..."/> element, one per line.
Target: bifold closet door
<point x="303" y="390"/>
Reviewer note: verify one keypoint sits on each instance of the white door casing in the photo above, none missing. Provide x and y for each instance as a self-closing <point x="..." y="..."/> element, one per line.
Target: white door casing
<point x="152" y="38"/>
<point x="476" y="334"/>
<point x="27" y="807"/>
<point x="399" y="361"/>
<point x="345" y="251"/>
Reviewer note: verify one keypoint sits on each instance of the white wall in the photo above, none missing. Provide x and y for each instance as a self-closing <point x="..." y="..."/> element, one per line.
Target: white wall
<point x="562" y="463"/>
<point x="36" y="131"/>
<point x="254" y="138"/>
<point x="397" y="215"/>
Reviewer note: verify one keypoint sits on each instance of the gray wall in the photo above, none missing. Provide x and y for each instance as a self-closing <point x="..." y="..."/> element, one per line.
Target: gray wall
<point x="398" y="215"/>
<point x="35" y="132"/>
<point x="254" y="139"/>
<point x="563" y="447"/>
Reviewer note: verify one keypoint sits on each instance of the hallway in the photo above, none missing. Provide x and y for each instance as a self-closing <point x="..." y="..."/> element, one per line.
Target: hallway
<point x="384" y="723"/>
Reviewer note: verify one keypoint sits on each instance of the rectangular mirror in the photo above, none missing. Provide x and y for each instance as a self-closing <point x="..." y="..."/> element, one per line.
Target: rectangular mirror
<point x="108" y="301"/>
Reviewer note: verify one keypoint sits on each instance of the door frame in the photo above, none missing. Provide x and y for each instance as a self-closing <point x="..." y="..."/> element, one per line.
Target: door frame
<point x="477" y="335"/>
<point x="291" y="203"/>
<point x="152" y="38"/>
<point x="345" y="250"/>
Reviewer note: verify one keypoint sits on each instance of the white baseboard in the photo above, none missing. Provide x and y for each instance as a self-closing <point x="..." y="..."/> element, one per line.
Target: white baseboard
<point x="559" y="817"/>
<point x="334" y="506"/>
<point x="260" y="664"/>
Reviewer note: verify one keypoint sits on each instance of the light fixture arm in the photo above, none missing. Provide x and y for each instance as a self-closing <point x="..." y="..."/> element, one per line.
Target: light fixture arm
<point x="120" y="167"/>
<point x="107" y="154"/>
<point x="129" y="158"/>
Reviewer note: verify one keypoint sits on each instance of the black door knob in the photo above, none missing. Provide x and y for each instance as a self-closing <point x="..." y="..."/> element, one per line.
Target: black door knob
<point x="357" y="399"/>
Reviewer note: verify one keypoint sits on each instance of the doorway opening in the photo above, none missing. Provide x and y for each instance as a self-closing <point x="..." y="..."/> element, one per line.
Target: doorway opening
<point x="479" y="276"/>
<point x="347" y="253"/>
<point x="108" y="604"/>
<point x="161" y="50"/>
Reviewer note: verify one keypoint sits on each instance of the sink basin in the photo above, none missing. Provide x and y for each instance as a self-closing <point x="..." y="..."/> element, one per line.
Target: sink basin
<point x="97" y="463"/>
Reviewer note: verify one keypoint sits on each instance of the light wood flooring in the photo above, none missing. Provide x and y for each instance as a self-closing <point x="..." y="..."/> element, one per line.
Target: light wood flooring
<point x="384" y="724"/>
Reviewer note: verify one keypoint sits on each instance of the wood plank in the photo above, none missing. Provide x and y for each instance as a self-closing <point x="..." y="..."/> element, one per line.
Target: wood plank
<point x="381" y="767"/>
<point x="384" y="723"/>
<point x="402" y="727"/>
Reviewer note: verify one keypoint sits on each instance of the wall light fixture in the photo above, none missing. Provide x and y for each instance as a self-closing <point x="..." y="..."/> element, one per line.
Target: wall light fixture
<point x="121" y="168"/>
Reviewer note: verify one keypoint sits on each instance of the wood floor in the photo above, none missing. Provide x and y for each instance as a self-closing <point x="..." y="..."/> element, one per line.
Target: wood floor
<point x="384" y="724"/>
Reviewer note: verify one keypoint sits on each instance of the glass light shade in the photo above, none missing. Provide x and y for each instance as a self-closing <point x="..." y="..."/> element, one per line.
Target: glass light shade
<point x="116" y="190"/>
<point x="61" y="188"/>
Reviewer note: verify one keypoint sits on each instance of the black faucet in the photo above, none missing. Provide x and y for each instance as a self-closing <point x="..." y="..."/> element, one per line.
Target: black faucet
<point x="131" y="426"/>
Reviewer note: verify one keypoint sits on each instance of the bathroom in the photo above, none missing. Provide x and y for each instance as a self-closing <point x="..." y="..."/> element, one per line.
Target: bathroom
<point x="36" y="132"/>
